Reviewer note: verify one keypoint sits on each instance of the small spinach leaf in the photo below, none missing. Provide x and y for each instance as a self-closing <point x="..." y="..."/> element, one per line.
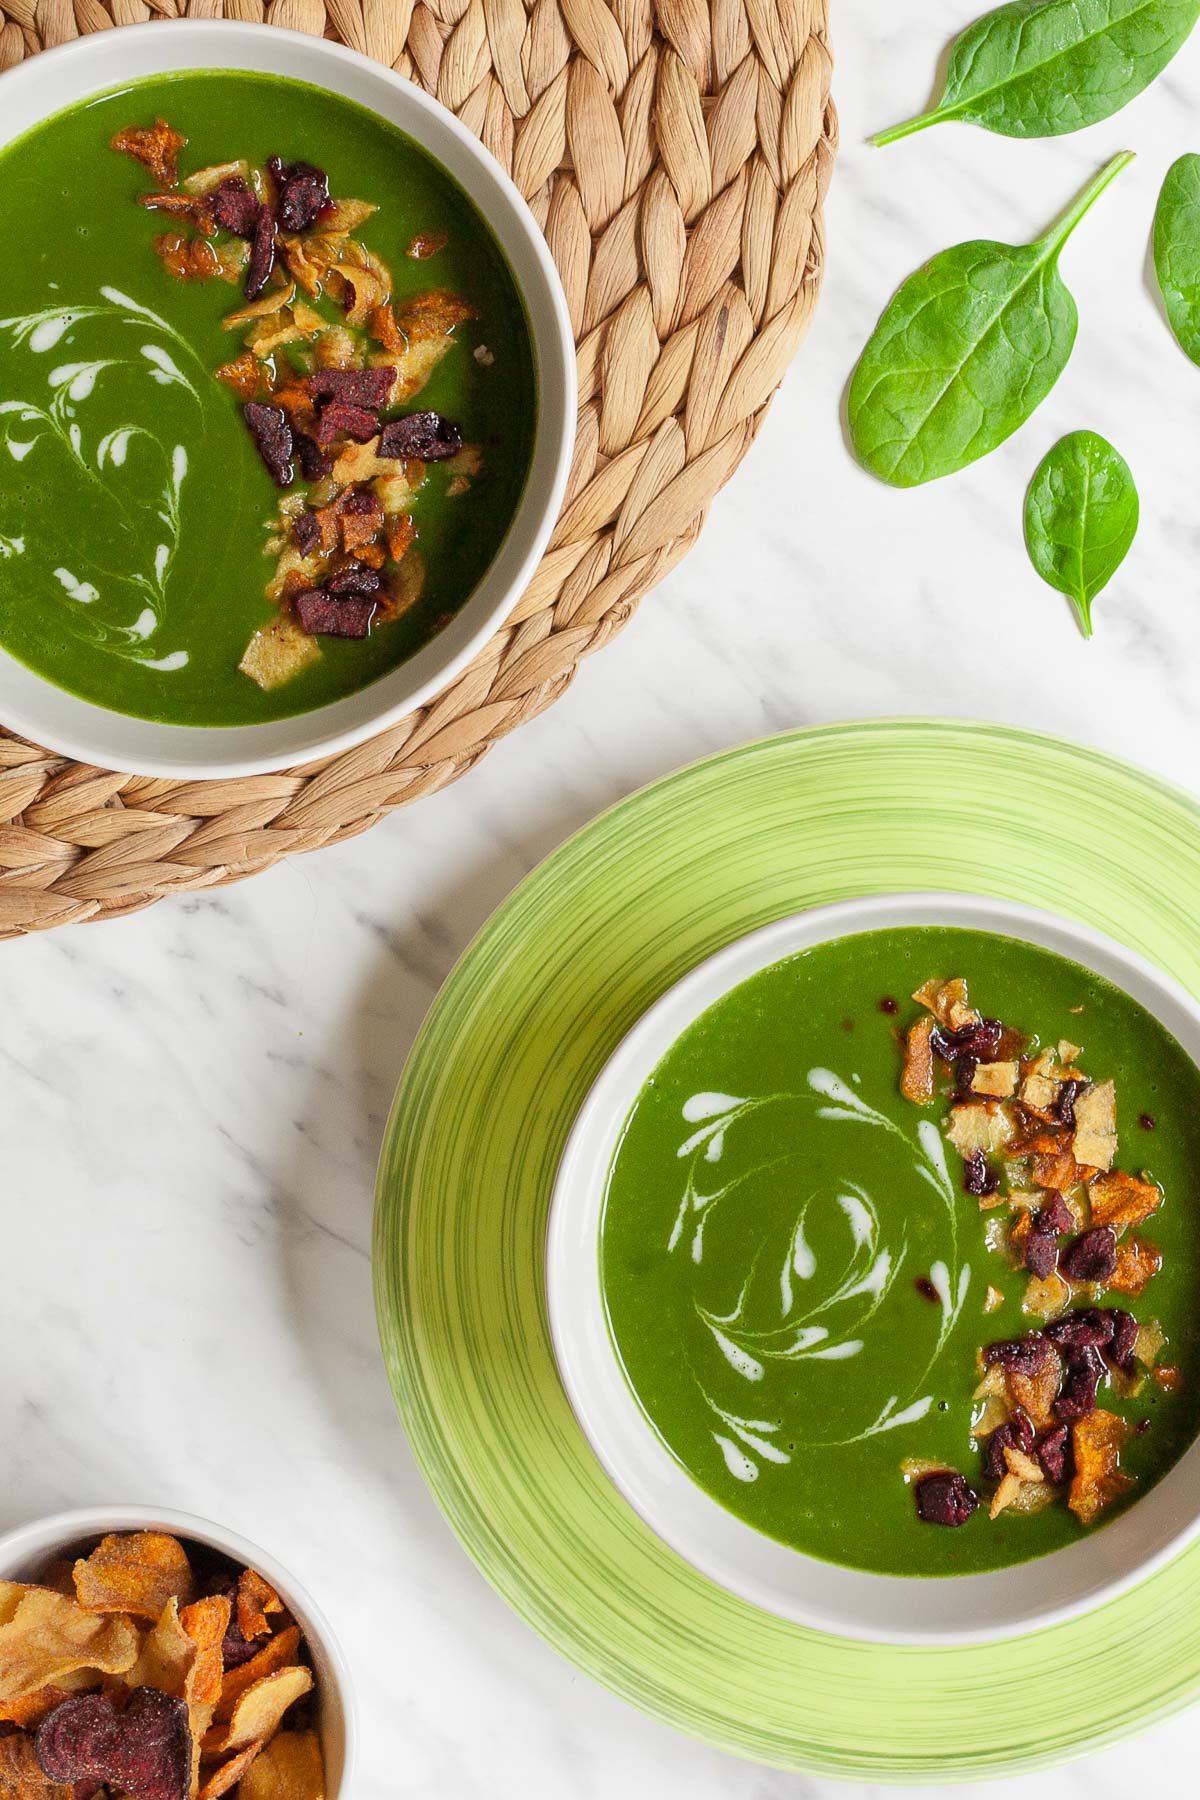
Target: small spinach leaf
<point x="1038" y="68"/>
<point x="965" y="351"/>
<point x="1081" y="515"/>
<point x="1177" y="251"/>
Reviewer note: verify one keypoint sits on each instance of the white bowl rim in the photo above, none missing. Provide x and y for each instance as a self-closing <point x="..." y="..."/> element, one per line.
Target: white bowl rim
<point x="806" y="1590"/>
<point x="225" y="752"/>
<point x="49" y="1533"/>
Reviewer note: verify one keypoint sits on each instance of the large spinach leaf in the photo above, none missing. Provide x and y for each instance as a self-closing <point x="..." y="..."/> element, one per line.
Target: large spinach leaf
<point x="965" y="351"/>
<point x="1081" y="514"/>
<point x="1177" y="251"/>
<point x="1037" y="68"/>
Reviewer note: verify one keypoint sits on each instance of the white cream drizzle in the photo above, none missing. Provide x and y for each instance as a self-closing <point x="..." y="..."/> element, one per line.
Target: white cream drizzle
<point x="806" y="1332"/>
<point x="73" y="383"/>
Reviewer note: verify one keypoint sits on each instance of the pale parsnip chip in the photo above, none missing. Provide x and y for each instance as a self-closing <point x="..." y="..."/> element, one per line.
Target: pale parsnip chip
<point x="997" y="1081"/>
<point x="278" y="652"/>
<point x="987" y="1128"/>
<point x="259" y="1711"/>
<point x="50" y="1635"/>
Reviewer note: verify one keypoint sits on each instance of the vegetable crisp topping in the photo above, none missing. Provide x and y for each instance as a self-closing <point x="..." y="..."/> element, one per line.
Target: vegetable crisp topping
<point x="329" y="349"/>
<point x="1038" y="1139"/>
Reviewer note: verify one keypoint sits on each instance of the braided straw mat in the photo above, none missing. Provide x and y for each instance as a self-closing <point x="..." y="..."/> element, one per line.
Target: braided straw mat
<point x="676" y="153"/>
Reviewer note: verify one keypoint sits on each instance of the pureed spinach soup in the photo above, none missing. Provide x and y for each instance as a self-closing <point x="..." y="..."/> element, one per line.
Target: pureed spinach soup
<point x="910" y="1284"/>
<point x="267" y="398"/>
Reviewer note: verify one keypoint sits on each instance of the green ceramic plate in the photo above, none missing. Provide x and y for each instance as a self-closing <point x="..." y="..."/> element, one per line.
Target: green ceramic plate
<point x="507" y="1054"/>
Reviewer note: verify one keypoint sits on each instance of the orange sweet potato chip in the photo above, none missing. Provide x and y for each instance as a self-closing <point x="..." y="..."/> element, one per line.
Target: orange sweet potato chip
<point x="21" y="1776"/>
<point x="255" y="1599"/>
<point x="31" y="1709"/>
<point x="1137" y="1262"/>
<point x="49" y="1636"/>
<point x="290" y="1768"/>
<point x="244" y="375"/>
<point x="257" y="1715"/>
<point x="134" y="1572"/>
<point x="275" y="1654"/>
<point x="916" y="1080"/>
<point x="1099" y="1478"/>
<point x="205" y="1623"/>
<point x="227" y="1774"/>
<point x="157" y="146"/>
<point x="1120" y="1199"/>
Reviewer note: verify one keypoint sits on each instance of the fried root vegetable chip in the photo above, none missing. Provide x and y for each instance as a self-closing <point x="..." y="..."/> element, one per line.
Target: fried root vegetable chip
<point x="1137" y="1262"/>
<point x="1099" y="1478"/>
<point x="255" y="1599"/>
<point x="156" y="146"/>
<point x="21" y="1774"/>
<point x="290" y="1768"/>
<point x="225" y="1775"/>
<point x="277" y="1653"/>
<point x="259" y="1712"/>
<point x="31" y="1709"/>
<point x="948" y="1002"/>
<point x="144" y="1752"/>
<point x="1036" y="1393"/>
<point x="50" y="1636"/>
<point x="278" y="652"/>
<point x="916" y="1079"/>
<point x="205" y="1623"/>
<point x="1096" y="1126"/>
<point x="135" y="1572"/>
<point x="1120" y="1199"/>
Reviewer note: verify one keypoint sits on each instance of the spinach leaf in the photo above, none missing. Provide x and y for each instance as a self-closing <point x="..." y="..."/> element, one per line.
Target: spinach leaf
<point x="965" y="351"/>
<point x="1177" y="251"/>
<point x="1038" y="68"/>
<point x="1081" y="514"/>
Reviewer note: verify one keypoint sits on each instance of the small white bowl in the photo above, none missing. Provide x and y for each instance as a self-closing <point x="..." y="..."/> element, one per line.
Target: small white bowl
<point x="846" y="1602"/>
<point x="26" y="1551"/>
<point x="43" y="85"/>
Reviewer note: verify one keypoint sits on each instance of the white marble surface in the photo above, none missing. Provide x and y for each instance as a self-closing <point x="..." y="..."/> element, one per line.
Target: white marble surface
<point x="192" y="1099"/>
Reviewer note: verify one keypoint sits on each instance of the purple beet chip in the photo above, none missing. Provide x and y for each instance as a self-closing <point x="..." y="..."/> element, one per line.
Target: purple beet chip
<point x="1021" y="1356"/>
<point x="978" y="1178"/>
<point x="354" y="387"/>
<point x="1088" y="1325"/>
<point x="1015" y="1433"/>
<point x="1052" y="1450"/>
<point x="306" y="531"/>
<point x="235" y="207"/>
<point x="272" y="436"/>
<point x="338" y="420"/>
<point x="314" y="464"/>
<point x="1124" y="1337"/>
<point x="323" y="614"/>
<point x="425" y="436"/>
<point x="1092" y="1257"/>
<point x="356" y="578"/>
<point x="1056" y="1216"/>
<point x="1041" y="1251"/>
<point x="262" y="254"/>
<point x="1078" y="1396"/>
<point x="144" y="1752"/>
<point x="979" y="1041"/>
<point x="945" y="1498"/>
<point x="1068" y="1093"/>
<point x="303" y="192"/>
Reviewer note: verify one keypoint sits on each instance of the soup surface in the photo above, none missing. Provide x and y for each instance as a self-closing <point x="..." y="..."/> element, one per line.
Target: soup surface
<point x="799" y="1289"/>
<point x="140" y="527"/>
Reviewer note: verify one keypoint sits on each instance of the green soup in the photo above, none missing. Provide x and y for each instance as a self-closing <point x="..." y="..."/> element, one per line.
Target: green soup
<point x="134" y="508"/>
<point x="796" y="1282"/>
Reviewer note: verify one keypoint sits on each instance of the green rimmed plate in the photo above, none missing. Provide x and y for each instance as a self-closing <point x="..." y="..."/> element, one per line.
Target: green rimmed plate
<point x="508" y="1052"/>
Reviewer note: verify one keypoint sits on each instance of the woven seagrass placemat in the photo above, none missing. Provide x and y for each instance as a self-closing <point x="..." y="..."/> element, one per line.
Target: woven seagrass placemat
<point x="676" y="153"/>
